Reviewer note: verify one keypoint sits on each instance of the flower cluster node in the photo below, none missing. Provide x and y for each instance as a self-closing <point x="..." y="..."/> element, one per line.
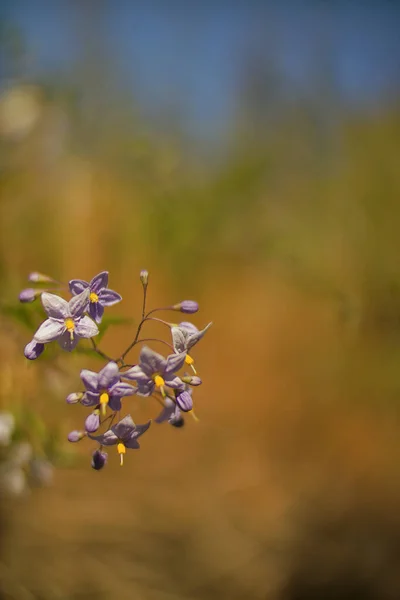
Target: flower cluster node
<point x="107" y="391"/>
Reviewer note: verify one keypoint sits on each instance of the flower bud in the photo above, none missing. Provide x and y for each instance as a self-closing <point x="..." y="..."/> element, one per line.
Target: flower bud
<point x="92" y="422"/>
<point x="186" y="306"/>
<point x="29" y="295"/>
<point x="144" y="277"/>
<point x="184" y="401"/>
<point x="99" y="459"/>
<point x="194" y="380"/>
<point x="74" y="397"/>
<point x="176" y="421"/>
<point x="76" y="436"/>
<point x="33" y="350"/>
<point x="36" y="277"/>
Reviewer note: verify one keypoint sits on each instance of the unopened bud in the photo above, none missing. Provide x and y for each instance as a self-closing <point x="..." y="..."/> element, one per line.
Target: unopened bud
<point x="33" y="350"/>
<point x="184" y="401"/>
<point x="76" y="436"/>
<point x="99" y="459"/>
<point x="177" y="421"/>
<point x="144" y="277"/>
<point x="36" y="277"/>
<point x="191" y="380"/>
<point x="29" y="295"/>
<point x="74" y="397"/>
<point x="187" y="306"/>
<point x="92" y="422"/>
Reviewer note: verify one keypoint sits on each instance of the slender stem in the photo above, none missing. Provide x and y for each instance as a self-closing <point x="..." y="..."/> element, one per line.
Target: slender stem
<point x="99" y="352"/>
<point x="156" y="340"/>
<point x="156" y="319"/>
<point x="144" y="301"/>
<point x="159" y="309"/>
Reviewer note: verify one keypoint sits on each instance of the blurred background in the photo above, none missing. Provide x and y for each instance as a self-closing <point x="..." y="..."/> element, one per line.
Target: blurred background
<point x="248" y="156"/>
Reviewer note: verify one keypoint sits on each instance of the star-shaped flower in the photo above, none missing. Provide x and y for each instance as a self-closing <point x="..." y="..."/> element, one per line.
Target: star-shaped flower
<point x="184" y="337"/>
<point x="170" y="413"/>
<point x="155" y="371"/>
<point x="124" y="434"/>
<point x="67" y="322"/>
<point x="105" y="388"/>
<point x="99" y="295"/>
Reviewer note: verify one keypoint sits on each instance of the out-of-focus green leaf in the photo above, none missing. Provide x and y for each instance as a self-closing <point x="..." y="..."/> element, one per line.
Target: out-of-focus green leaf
<point x="87" y="352"/>
<point x="110" y="321"/>
<point x="21" y="314"/>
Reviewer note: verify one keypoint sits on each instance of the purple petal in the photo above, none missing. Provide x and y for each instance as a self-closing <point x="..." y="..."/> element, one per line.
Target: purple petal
<point x="151" y="362"/>
<point x="196" y="337"/>
<point x="77" y="286"/>
<point x="167" y="411"/>
<point x="132" y="444"/>
<point x="179" y="337"/>
<point x="66" y="342"/>
<point x="96" y="311"/>
<point x="99" y="282"/>
<point x="108" y="376"/>
<point x="90" y="380"/>
<point x="99" y="459"/>
<point x="85" y="327"/>
<point x="184" y="401"/>
<point x="92" y="423"/>
<point x="124" y="428"/>
<point x="49" y="331"/>
<point x="174" y="363"/>
<point x="90" y="399"/>
<point x="145" y="389"/>
<point x="189" y="327"/>
<point x="115" y="403"/>
<point x="106" y="439"/>
<point x="78" y="304"/>
<point x="122" y="389"/>
<point x="109" y="297"/>
<point x="140" y="430"/>
<point x="55" y="307"/>
<point x="136" y="374"/>
<point x="174" y="382"/>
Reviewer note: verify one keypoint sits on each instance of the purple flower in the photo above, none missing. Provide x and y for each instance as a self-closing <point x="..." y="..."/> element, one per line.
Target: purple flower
<point x="29" y="295"/>
<point x="155" y="371"/>
<point x="99" y="459"/>
<point x="76" y="436"/>
<point x="105" y="387"/>
<point x="67" y="322"/>
<point x="99" y="295"/>
<point x="124" y="434"/>
<point x="33" y="350"/>
<point x="170" y="413"/>
<point x="184" y="337"/>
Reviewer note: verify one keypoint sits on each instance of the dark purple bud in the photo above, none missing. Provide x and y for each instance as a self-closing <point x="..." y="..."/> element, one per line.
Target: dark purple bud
<point x="36" y="277"/>
<point x="184" y="401"/>
<point x="33" y="350"/>
<point x="99" y="459"/>
<point x="187" y="306"/>
<point x="76" y="436"/>
<point x="191" y="380"/>
<point x="29" y="295"/>
<point x="144" y="277"/>
<point x="74" y="397"/>
<point x="92" y="422"/>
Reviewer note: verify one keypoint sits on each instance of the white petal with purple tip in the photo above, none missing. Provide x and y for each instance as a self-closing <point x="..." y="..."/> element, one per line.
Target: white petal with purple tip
<point x="55" y="307"/>
<point x="49" y="331"/>
<point x="86" y="328"/>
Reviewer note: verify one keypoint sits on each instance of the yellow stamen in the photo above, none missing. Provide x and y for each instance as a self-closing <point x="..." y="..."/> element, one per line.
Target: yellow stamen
<point x="159" y="381"/>
<point x="189" y="360"/>
<point x="93" y="297"/>
<point x="70" y="326"/>
<point x="121" y="451"/>
<point x="193" y="415"/>
<point x="104" y="399"/>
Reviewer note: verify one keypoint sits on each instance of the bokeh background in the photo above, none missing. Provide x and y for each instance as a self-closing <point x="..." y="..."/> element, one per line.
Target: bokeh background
<point x="247" y="155"/>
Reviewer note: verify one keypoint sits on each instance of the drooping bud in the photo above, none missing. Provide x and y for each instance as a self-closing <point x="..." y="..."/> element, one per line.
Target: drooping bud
<point x="36" y="277"/>
<point x="76" y="436"/>
<point x="176" y="421"/>
<point x="195" y="380"/>
<point x="92" y="422"/>
<point x="187" y="306"/>
<point x="144" y="277"/>
<point x="33" y="350"/>
<point x="75" y="397"/>
<point x="29" y="295"/>
<point x="184" y="401"/>
<point x="99" y="459"/>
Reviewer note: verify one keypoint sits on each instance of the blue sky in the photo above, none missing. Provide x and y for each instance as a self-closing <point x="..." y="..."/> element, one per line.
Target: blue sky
<point x="190" y="56"/>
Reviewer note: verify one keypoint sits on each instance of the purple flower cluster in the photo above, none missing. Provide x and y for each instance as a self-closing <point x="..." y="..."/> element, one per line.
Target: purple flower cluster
<point x="107" y="391"/>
